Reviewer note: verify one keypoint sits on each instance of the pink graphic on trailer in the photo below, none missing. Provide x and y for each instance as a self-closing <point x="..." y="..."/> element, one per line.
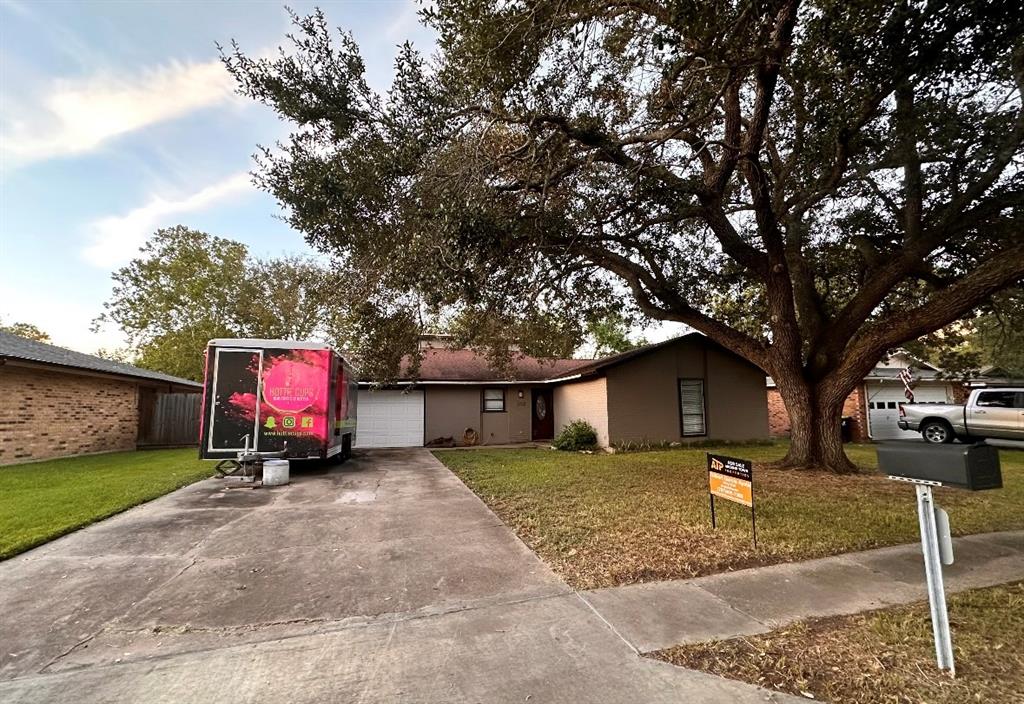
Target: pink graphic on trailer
<point x="296" y="390"/>
<point x="291" y="386"/>
<point x="293" y="395"/>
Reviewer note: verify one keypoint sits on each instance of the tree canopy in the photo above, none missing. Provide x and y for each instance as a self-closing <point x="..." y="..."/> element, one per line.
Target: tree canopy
<point x="26" y="330"/>
<point x="991" y="340"/>
<point x="807" y="183"/>
<point x="188" y="287"/>
<point x="612" y="334"/>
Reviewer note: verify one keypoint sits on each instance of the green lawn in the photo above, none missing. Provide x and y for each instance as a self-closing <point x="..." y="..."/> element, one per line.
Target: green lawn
<point x="882" y="657"/>
<point x="44" y="500"/>
<point x="603" y="520"/>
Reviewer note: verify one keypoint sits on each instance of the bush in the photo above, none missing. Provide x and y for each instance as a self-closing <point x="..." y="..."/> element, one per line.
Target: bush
<point x="577" y="435"/>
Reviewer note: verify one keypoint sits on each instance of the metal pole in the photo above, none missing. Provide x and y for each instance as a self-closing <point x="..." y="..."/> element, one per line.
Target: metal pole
<point x="713" y="524"/>
<point x="753" y="523"/>
<point x="933" y="571"/>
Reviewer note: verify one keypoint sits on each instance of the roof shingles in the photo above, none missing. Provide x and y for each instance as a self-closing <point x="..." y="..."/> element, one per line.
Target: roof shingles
<point x="20" y="348"/>
<point x="461" y="365"/>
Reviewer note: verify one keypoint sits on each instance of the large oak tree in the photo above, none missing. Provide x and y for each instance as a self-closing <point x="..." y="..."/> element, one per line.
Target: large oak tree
<point x="808" y="183"/>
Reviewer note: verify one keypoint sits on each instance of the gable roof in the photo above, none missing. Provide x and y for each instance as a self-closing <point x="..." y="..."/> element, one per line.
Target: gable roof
<point x="901" y="359"/>
<point x="20" y="348"/>
<point x="596" y="365"/>
<point x="461" y="365"/>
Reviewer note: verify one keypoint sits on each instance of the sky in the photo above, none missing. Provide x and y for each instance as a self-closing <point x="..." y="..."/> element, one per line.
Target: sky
<point x="117" y="118"/>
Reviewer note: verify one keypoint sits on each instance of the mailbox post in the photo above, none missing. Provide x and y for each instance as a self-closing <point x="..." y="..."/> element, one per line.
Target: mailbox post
<point x="932" y="545"/>
<point x="972" y="467"/>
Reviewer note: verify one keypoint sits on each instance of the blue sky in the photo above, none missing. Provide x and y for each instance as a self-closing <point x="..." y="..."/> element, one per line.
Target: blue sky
<point x="116" y="118"/>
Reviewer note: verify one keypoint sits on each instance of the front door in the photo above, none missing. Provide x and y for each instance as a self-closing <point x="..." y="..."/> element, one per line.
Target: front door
<point x="543" y="426"/>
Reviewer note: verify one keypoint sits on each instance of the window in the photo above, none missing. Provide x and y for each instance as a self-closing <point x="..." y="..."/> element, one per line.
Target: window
<point x="691" y="407"/>
<point x="996" y="399"/>
<point x="494" y="400"/>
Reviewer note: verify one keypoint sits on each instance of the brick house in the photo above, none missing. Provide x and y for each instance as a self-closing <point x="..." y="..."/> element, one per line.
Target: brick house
<point x="874" y="405"/>
<point x="854" y="408"/>
<point x="55" y="402"/>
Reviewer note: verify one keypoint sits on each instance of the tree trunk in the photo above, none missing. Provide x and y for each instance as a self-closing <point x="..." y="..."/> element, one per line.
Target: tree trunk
<point x="816" y="440"/>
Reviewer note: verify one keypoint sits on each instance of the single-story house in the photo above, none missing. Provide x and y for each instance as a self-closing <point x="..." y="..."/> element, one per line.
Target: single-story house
<point x="873" y="406"/>
<point x="681" y="390"/>
<point x="55" y="402"/>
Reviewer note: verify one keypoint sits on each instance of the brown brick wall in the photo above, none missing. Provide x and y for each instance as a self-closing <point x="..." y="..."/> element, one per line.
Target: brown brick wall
<point x="778" y="417"/>
<point x="54" y="414"/>
<point x="854" y="406"/>
<point x="960" y="393"/>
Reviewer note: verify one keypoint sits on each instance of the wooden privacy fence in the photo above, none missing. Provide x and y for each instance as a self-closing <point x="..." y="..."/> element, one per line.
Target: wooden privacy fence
<point x="168" y="420"/>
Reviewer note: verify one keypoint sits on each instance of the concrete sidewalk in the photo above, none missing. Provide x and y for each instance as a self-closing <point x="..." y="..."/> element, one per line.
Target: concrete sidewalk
<point x="663" y="614"/>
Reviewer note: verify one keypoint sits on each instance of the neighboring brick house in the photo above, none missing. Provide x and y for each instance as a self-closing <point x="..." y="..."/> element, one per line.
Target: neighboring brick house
<point x="55" y="402"/>
<point x="854" y="408"/>
<point x="873" y="406"/>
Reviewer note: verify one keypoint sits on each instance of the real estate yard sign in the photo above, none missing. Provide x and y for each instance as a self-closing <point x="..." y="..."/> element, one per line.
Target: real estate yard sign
<point x="732" y="479"/>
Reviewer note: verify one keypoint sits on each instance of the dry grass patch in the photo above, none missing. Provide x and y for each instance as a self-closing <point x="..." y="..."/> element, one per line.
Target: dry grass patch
<point x="604" y="520"/>
<point x="882" y="656"/>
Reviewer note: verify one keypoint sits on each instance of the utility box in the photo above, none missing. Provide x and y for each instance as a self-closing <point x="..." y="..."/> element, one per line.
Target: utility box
<point x="974" y="467"/>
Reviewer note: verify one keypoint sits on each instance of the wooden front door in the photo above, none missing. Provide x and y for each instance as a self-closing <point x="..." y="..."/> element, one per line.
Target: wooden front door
<point x="543" y="426"/>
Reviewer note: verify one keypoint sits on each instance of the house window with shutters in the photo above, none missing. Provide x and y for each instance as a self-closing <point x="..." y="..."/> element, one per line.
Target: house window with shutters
<point x="691" y="407"/>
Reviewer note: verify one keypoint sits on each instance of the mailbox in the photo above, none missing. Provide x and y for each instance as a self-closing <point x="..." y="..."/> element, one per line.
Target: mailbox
<point x="973" y="467"/>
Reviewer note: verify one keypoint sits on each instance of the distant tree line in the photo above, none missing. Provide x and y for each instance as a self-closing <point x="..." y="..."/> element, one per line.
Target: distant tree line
<point x="187" y="287"/>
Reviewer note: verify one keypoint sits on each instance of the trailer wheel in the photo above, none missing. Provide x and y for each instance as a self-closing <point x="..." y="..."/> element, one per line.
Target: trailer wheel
<point x="937" y="432"/>
<point x="346" y="447"/>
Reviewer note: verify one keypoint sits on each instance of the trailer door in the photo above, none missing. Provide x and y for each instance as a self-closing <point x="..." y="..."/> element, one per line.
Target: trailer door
<point x="234" y="413"/>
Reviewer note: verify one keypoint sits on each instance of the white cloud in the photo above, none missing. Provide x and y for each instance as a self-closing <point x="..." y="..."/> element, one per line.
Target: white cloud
<point x="76" y="116"/>
<point x="405" y="23"/>
<point x="115" y="239"/>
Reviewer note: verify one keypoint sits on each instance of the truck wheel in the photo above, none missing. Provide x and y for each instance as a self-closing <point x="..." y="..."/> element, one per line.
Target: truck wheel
<point x="937" y="432"/>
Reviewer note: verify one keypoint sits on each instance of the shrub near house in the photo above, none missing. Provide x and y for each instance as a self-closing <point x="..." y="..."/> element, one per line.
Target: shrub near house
<point x="577" y="435"/>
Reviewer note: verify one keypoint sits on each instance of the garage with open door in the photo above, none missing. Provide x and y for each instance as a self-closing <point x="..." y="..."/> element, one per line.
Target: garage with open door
<point x="883" y="407"/>
<point x="389" y="418"/>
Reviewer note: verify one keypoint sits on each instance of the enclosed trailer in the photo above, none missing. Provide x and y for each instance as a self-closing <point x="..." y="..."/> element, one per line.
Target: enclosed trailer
<point x="277" y="397"/>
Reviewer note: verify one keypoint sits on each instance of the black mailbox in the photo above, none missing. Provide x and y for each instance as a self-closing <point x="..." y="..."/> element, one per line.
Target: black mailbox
<point x="973" y="467"/>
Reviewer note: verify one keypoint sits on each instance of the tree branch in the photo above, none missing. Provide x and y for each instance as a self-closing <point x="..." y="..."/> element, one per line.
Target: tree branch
<point x="942" y="308"/>
<point x="643" y="284"/>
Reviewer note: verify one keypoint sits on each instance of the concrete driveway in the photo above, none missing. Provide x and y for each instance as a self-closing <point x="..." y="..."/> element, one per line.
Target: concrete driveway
<point x="382" y="580"/>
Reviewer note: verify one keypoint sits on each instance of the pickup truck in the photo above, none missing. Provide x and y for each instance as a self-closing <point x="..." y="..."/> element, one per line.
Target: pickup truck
<point x="988" y="413"/>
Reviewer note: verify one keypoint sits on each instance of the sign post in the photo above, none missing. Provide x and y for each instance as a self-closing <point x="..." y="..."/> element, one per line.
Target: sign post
<point x="732" y="479"/>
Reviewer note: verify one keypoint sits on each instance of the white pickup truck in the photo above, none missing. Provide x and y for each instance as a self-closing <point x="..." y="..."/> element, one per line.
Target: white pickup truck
<point x="988" y="413"/>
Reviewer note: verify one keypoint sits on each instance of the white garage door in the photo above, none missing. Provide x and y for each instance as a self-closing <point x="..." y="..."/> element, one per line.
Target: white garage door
<point x="883" y="408"/>
<point x="389" y="419"/>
